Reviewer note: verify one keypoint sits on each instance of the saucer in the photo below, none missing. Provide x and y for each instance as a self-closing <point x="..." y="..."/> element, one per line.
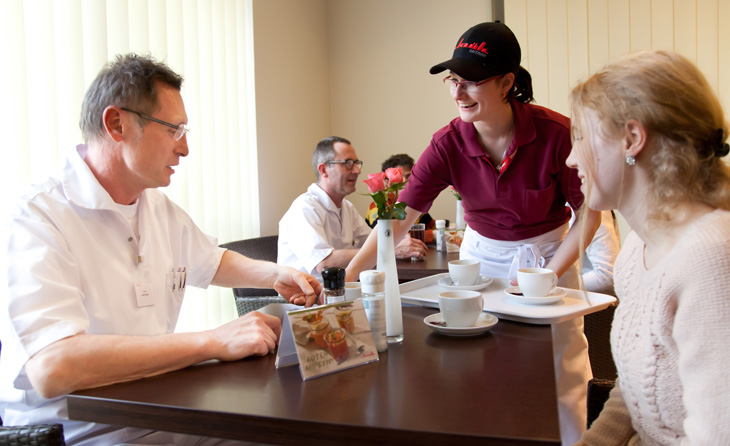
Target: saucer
<point x="446" y="283"/>
<point x="482" y="325"/>
<point x="555" y="296"/>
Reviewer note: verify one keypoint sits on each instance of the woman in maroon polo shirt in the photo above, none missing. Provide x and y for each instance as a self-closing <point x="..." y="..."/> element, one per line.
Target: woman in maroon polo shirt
<point x="506" y="158"/>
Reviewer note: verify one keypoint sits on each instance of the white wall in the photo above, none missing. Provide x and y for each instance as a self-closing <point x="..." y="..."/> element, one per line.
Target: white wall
<point x="383" y="97"/>
<point x="356" y="69"/>
<point x="292" y="66"/>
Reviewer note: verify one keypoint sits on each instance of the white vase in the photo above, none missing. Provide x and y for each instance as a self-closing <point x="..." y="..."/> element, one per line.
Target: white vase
<point x="386" y="263"/>
<point x="460" y="224"/>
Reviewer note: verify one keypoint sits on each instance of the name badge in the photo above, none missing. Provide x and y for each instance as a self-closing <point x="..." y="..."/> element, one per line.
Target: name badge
<point x="143" y="288"/>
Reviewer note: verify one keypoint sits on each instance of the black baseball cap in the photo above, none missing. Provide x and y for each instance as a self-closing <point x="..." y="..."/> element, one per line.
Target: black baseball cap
<point x="485" y="50"/>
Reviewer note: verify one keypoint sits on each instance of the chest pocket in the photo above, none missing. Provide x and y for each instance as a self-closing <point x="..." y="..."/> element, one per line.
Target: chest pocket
<point x="536" y="204"/>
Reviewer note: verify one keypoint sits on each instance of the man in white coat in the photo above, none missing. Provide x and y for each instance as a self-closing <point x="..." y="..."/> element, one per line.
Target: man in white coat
<point x="99" y="260"/>
<point x="322" y="228"/>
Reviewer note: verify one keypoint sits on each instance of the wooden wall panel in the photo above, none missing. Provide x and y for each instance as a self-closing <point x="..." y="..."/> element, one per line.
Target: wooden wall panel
<point x="538" y="48"/>
<point x="723" y="88"/>
<point x="557" y="53"/>
<point x="597" y="33"/>
<point x="707" y="40"/>
<point x="685" y="28"/>
<point x="578" y="65"/>
<point x="640" y="20"/>
<point x="662" y="24"/>
<point x="619" y="28"/>
<point x="583" y="35"/>
<point x="516" y="19"/>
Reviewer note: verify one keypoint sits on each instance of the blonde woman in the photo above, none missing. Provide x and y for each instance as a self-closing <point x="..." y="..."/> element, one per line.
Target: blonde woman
<point x="649" y="137"/>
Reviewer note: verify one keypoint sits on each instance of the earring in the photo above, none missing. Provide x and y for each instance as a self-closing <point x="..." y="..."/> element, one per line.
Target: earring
<point x="630" y="160"/>
<point x="504" y="94"/>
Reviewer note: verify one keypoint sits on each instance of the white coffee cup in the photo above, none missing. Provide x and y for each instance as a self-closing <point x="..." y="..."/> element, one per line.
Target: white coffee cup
<point x="460" y="308"/>
<point x="536" y="282"/>
<point x="352" y="290"/>
<point x="464" y="272"/>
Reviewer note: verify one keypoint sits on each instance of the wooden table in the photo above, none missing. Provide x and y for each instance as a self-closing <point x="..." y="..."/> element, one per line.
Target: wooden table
<point x="495" y="389"/>
<point x="435" y="263"/>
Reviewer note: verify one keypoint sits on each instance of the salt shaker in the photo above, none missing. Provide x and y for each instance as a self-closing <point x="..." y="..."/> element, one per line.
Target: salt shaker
<point x="373" y="300"/>
<point x="333" y="279"/>
<point x="440" y="235"/>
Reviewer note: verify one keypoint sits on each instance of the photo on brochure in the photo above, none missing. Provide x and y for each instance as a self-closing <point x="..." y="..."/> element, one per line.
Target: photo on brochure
<point x="329" y="338"/>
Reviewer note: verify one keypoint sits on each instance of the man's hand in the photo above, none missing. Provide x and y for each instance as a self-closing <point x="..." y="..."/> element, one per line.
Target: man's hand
<point x="410" y="247"/>
<point x="253" y="333"/>
<point x="297" y="287"/>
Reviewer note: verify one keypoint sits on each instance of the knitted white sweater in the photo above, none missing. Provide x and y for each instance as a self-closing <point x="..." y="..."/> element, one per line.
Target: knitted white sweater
<point x="671" y="343"/>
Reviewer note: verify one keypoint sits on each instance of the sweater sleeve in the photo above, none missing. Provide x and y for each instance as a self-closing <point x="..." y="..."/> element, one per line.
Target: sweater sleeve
<point x="613" y="426"/>
<point x="702" y="334"/>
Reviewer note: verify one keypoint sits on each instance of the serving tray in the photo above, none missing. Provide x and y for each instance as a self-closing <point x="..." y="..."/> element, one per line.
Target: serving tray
<point x="576" y="303"/>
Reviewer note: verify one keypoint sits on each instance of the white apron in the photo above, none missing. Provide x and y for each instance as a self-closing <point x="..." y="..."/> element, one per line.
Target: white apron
<point x="501" y="259"/>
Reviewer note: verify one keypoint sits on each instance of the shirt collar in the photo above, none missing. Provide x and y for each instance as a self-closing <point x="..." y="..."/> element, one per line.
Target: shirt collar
<point x="322" y="196"/>
<point x="81" y="186"/>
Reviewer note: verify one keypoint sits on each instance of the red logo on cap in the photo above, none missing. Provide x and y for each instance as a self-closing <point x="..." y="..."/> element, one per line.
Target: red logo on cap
<point x="481" y="47"/>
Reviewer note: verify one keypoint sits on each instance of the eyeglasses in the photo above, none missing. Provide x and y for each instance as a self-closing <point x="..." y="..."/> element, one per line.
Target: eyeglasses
<point x="467" y="86"/>
<point x="182" y="129"/>
<point x="348" y="163"/>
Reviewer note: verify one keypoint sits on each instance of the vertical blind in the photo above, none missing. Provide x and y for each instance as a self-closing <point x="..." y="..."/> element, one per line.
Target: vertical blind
<point x="56" y="48"/>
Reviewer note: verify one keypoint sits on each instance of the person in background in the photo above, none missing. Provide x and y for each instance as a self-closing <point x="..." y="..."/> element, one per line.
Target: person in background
<point x="99" y="260"/>
<point x="600" y="255"/>
<point x="405" y="163"/>
<point x="506" y="158"/>
<point x="649" y="141"/>
<point x="322" y="228"/>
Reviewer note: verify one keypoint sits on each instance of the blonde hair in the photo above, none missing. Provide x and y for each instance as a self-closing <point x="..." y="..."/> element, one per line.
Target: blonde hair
<point x="684" y="121"/>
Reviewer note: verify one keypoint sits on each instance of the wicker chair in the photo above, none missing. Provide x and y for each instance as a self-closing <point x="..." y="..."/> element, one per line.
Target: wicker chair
<point x="598" y="332"/>
<point x="598" y="391"/>
<point x="35" y="434"/>
<point x="261" y="248"/>
<point x="597" y="328"/>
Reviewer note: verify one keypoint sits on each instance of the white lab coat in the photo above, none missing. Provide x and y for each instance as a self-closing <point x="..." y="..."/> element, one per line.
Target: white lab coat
<point x="314" y="226"/>
<point x="73" y="262"/>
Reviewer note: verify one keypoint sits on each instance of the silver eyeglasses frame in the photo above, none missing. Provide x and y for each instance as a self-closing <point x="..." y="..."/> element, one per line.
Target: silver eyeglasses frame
<point x="181" y="129"/>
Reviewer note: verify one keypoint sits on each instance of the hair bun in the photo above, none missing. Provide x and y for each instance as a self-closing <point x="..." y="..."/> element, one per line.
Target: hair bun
<point x="721" y="147"/>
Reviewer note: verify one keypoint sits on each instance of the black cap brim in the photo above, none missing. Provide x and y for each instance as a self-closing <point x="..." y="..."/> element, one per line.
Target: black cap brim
<point x="467" y="69"/>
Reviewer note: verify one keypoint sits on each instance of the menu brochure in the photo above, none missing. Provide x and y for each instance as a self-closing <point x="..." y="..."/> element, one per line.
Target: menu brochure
<point x="326" y="339"/>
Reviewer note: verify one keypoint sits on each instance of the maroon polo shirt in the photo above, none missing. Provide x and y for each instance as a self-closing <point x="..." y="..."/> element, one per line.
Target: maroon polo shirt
<point x="526" y="199"/>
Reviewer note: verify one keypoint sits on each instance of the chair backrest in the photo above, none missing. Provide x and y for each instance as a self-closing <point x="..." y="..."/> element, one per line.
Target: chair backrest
<point x="597" y="328"/>
<point x="261" y="248"/>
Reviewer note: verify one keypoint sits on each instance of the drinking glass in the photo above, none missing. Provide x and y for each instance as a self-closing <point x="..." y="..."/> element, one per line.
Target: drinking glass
<point x="418" y="231"/>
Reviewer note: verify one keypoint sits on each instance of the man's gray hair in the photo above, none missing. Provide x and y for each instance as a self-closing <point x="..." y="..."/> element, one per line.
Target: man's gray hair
<point x="325" y="151"/>
<point x="129" y="81"/>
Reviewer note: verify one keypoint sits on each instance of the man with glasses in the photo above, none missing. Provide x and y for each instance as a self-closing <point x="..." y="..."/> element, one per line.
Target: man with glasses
<point x="99" y="260"/>
<point x="322" y="228"/>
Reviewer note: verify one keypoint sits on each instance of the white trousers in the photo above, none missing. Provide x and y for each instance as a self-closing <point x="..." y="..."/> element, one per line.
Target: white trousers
<point x="501" y="259"/>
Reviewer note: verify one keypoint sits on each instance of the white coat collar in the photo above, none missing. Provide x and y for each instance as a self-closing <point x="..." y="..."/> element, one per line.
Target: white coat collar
<point x="322" y="196"/>
<point x="81" y="186"/>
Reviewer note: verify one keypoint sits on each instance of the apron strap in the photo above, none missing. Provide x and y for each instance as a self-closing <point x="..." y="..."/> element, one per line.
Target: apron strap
<point x="527" y="256"/>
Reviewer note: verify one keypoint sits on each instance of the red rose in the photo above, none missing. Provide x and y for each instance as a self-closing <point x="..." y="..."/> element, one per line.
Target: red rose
<point x="375" y="182"/>
<point x="394" y="174"/>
